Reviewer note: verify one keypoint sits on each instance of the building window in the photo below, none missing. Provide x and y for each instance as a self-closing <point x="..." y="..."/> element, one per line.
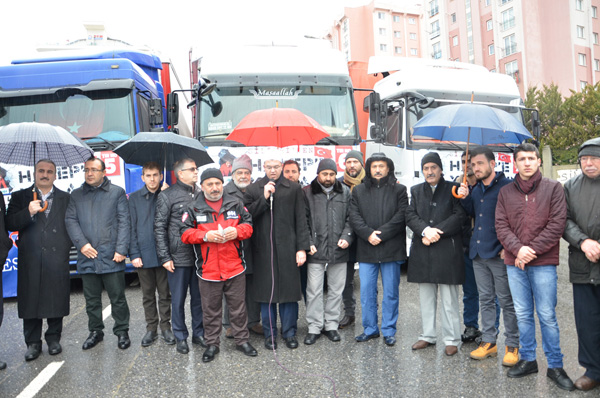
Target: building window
<point x="397" y="34"/>
<point x="433" y="8"/>
<point x="512" y="69"/>
<point x="595" y="38"/>
<point x="580" y="31"/>
<point x="437" y="51"/>
<point x="455" y="41"/>
<point x="412" y="21"/>
<point x="413" y="36"/>
<point x="383" y="47"/>
<point x="579" y="5"/>
<point x="381" y="15"/>
<point x="508" y="19"/>
<point x="488" y="2"/>
<point x="594" y="12"/>
<point x="398" y="50"/>
<point x="510" y="45"/>
<point x="489" y="25"/>
<point x="491" y="49"/>
<point x="504" y="1"/>
<point x="582" y="84"/>
<point x="597" y="65"/>
<point x="413" y="51"/>
<point x="582" y="59"/>
<point x="453" y="17"/>
<point x="435" y="29"/>
<point x="382" y="31"/>
<point x="396" y="18"/>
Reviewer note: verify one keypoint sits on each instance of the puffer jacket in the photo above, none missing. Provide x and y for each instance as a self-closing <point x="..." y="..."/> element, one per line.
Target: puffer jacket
<point x="170" y="206"/>
<point x="232" y="189"/>
<point x="583" y="222"/>
<point x="217" y="261"/>
<point x="99" y="216"/>
<point x="328" y="222"/>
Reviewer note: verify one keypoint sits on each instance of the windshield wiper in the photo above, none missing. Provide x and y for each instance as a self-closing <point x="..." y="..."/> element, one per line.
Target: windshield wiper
<point x="111" y="144"/>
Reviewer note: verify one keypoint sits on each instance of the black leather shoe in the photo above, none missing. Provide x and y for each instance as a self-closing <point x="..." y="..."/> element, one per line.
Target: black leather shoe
<point x="123" y="341"/>
<point x="291" y="342"/>
<point x="311" y="338"/>
<point x="332" y="335"/>
<point x="182" y="347"/>
<point x="199" y="340"/>
<point x="168" y="337"/>
<point x="94" y="338"/>
<point x="210" y="353"/>
<point x="559" y="376"/>
<point x="523" y="368"/>
<point x="149" y="338"/>
<point x="54" y="348"/>
<point x="270" y="344"/>
<point x="247" y="349"/>
<point x="2" y="365"/>
<point x="470" y="334"/>
<point x="347" y="321"/>
<point x="33" y="351"/>
<point x="389" y="340"/>
<point x="366" y="337"/>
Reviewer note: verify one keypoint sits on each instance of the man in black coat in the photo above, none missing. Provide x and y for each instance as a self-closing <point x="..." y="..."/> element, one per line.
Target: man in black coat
<point x="436" y="255"/>
<point x="43" y="285"/>
<point x="5" y="246"/>
<point x="279" y="245"/>
<point x="377" y="218"/>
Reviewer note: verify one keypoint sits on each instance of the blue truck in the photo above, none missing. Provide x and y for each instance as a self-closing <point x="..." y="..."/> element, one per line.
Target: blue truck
<point x="103" y="96"/>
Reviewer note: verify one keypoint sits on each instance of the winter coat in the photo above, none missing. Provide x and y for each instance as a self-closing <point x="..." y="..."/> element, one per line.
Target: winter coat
<point x="142" y="209"/>
<point x="43" y="284"/>
<point x="170" y="206"/>
<point x="328" y="222"/>
<point x="583" y="222"/>
<point x="217" y="262"/>
<point x="536" y="219"/>
<point x="441" y="262"/>
<point x="232" y="189"/>
<point x="99" y="216"/>
<point x="379" y="206"/>
<point x="290" y="234"/>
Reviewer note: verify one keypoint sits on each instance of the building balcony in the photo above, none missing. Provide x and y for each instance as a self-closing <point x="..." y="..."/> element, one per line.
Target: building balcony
<point x="509" y="50"/>
<point x="434" y="34"/>
<point x="509" y="23"/>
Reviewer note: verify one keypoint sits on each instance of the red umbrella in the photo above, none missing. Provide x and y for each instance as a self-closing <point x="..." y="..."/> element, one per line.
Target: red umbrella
<point x="278" y="127"/>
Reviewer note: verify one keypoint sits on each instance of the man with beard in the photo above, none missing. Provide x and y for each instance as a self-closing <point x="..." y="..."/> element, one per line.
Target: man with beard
<point x="216" y="223"/>
<point x="279" y="247"/>
<point x="583" y="234"/>
<point x="487" y="255"/>
<point x="377" y="218"/>
<point x="43" y="286"/>
<point x="241" y="179"/>
<point x="353" y="176"/>
<point x="291" y="170"/>
<point x="531" y="215"/>
<point x="328" y="201"/>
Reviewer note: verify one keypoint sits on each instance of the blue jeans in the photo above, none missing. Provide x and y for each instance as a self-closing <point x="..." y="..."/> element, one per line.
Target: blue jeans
<point x="536" y="286"/>
<point x="390" y="279"/>
<point x="470" y="296"/>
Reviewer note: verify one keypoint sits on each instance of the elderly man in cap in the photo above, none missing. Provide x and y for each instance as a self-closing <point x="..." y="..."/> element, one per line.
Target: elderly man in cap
<point x="436" y="255"/>
<point x="353" y="176"/>
<point x="583" y="234"/>
<point x="216" y="223"/>
<point x="377" y="218"/>
<point x="279" y="247"/>
<point x="241" y="179"/>
<point x="328" y="201"/>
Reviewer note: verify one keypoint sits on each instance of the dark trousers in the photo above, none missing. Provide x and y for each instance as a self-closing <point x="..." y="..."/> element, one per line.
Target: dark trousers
<point x="348" y="293"/>
<point x="153" y="280"/>
<point x="586" y="303"/>
<point x="32" y="330"/>
<point x="180" y="281"/>
<point x="252" y="307"/>
<point x="304" y="280"/>
<point x="470" y="296"/>
<point x="234" y="291"/>
<point x="114" y="284"/>
<point x="289" y="319"/>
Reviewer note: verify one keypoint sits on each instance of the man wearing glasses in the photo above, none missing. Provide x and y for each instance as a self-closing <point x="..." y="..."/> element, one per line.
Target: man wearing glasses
<point x="98" y="223"/>
<point x="177" y="257"/>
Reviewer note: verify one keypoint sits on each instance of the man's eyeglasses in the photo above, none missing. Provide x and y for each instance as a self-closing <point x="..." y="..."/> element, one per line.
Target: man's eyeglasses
<point x="272" y="167"/>
<point x="92" y="170"/>
<point x="191" y="169"/>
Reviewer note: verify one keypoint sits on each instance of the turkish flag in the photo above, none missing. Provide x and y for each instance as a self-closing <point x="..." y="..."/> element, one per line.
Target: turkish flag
<point x="323" y="153"/>
<point x="503" y="157"/>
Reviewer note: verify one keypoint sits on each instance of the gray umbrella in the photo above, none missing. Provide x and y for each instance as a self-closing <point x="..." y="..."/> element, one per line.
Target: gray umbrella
<point x="164" y="148"/>
<point x="26" y="143"/>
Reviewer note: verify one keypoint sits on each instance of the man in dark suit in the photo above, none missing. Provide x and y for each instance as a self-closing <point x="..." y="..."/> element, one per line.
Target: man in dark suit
<point x="43" y="276"/>
<point x="5" y="245"/>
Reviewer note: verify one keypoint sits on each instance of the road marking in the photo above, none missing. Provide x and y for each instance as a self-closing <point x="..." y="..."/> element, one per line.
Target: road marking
<point x="106" y="312"/>
<point x="40" y="381"/>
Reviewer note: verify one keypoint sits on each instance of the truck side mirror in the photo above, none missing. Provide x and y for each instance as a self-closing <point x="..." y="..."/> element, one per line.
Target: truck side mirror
<point x="172" y="109"/>
<point x="156" y="114"/>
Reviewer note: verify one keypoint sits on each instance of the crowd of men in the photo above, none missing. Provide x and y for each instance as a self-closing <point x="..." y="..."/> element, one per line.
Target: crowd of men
<point x="248" y="252"/>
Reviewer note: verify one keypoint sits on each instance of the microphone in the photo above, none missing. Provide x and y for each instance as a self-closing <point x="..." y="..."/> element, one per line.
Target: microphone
<point x="272" y="193"/>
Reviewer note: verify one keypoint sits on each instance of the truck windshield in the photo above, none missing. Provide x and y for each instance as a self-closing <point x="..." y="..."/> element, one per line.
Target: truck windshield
<point x="331" y="107"/>
<point x="107" y="114"/>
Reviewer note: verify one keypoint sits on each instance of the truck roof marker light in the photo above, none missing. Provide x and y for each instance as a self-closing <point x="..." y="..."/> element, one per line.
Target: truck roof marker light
<point x="114" y="67"/>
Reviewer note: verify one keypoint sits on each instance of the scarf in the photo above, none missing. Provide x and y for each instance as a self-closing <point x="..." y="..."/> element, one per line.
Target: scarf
<point x="353" y="181"/>
<point x="527" y="187"/>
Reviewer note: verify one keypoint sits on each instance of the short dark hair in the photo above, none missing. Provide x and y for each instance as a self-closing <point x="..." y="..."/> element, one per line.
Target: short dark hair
<point x="46" y="161"/>
<point x="178" y="165"/>
<point x="152" y="165"/>
<point x="526" y="147"/>
<point x="291" y="161"/>
<point x="93" y="158"/>
<point x="483" y="150"/>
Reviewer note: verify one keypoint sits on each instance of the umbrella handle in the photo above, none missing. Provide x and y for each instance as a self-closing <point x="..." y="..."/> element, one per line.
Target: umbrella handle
<point x="45" y="203"/>
<point x="457" y="196"/>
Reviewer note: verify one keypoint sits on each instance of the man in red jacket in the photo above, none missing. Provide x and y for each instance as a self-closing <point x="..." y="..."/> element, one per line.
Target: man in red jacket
<point x="215" y="224"/>
<point x="530" y="219"/>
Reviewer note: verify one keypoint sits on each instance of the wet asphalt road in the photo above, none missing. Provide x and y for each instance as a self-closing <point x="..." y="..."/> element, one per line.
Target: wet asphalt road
<point x="347" y="368"/>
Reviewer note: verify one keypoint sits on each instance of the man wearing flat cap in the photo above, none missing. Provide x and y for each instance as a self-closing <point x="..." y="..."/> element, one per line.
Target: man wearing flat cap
<point x="216" y="224"/>
<point x="583" y="234"/>
<point x="328" y="201"/>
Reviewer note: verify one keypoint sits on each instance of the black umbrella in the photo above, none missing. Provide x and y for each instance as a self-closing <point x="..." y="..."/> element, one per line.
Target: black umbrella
<point x="163" y="148"/>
